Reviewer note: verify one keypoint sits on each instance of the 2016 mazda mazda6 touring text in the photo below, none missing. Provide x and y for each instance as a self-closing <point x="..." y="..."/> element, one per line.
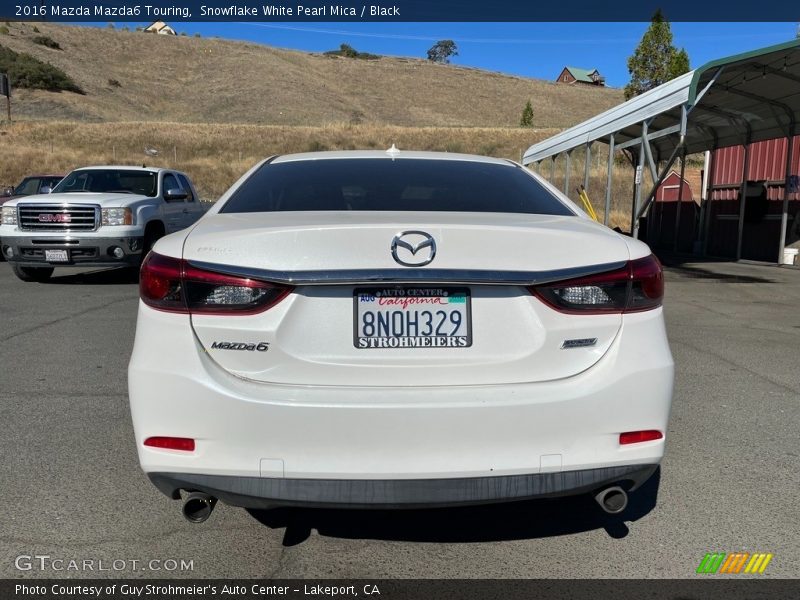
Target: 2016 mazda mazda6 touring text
<point x="398" y="329"/>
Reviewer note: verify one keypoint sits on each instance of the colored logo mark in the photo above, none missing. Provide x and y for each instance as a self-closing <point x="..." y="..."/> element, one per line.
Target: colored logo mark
<point x="736" y="562"/>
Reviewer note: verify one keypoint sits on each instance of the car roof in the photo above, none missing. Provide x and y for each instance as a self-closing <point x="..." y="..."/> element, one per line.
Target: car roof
<point x="390" y="154"/>
<point x="126" y="168"/>
<point x="41" y="175"/>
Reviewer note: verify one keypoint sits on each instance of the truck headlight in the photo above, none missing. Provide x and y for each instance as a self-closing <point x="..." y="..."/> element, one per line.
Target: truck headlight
<point x="117" y="216"/>
<point x="9" y="215"/>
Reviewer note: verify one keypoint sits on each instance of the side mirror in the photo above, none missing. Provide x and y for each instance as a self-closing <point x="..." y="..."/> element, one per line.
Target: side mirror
<point x="46" y="189"/>
<point x="8" y="192"/>
<point x="175" y="194"/>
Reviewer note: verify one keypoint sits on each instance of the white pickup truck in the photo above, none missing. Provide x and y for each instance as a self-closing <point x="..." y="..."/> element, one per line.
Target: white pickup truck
<point x="96" y="217"/>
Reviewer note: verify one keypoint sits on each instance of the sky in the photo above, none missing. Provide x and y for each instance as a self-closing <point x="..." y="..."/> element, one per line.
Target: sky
<point x="538" y="50"/>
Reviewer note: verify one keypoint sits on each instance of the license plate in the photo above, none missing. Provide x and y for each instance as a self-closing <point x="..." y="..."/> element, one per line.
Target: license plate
<point x="56" y="255"/>
<point x="412" y="317"/>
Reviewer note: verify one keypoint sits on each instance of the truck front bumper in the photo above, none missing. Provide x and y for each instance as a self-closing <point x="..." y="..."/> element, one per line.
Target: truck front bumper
<point x="30" y="251"/>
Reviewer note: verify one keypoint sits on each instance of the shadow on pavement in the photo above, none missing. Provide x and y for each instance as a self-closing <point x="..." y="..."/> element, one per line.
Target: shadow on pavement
<point x="696" y="267"/>
<point x="485" y="523"/>
<point x="112" y="276"/>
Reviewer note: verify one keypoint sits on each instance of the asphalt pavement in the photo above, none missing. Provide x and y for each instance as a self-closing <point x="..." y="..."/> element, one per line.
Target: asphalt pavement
<point x="71" y="488"/>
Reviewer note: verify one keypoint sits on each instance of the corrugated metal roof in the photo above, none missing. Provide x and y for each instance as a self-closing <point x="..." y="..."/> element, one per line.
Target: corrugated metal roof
<point x="756" y="96"/>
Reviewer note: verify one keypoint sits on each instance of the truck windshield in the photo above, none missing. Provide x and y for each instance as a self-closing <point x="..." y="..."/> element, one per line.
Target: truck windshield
<point x="144" y="183"/>
<point x="378" y="184"/>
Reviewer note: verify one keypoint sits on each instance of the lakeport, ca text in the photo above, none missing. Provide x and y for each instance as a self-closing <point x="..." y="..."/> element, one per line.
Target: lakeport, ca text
<point x="187" y="12"/>
<point x="144" y="590"/>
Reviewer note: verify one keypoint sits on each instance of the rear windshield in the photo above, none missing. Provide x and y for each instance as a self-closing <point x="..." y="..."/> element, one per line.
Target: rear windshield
<point x="110" y="180"/>
<point x="393" y="185"/>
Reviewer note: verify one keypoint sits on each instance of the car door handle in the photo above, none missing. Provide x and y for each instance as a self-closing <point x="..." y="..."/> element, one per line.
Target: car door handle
<point x="186" y="211"/>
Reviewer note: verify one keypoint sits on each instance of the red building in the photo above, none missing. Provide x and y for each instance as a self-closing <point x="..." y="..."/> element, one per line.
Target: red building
<point x="668" y="214"/>
<point x="760" y="217"/>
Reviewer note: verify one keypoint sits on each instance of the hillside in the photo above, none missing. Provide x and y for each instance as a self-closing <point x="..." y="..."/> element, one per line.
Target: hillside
<point x="194" y="80"/>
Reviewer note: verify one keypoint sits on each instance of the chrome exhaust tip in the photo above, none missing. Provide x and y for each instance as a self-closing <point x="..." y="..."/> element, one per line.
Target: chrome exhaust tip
<point x="612" y="499"/>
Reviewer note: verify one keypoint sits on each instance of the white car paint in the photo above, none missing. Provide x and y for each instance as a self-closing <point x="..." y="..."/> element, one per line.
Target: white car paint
<point x="315" y="408"/>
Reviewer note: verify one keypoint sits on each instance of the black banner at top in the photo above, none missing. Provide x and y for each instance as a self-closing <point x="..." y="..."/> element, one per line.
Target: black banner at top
<point x="396" y="10"/>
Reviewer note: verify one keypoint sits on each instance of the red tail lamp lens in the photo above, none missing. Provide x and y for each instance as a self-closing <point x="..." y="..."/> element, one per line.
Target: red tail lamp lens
<point x="636" y="437"/>
<point x="173" y="285"/>
<point x="637" y="286"/>
<point x="171" y="443"/>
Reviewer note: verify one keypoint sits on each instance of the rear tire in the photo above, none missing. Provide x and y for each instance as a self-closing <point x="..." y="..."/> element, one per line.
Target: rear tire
<point x="33" y="273"/>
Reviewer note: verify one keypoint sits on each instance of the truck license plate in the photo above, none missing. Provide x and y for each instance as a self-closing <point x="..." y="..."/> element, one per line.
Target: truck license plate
<point x="412" y="317"/>
<point x="56" y="256"/>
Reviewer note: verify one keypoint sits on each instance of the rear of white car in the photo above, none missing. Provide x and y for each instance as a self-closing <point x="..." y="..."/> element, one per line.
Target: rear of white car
<point x="398" y="330"/>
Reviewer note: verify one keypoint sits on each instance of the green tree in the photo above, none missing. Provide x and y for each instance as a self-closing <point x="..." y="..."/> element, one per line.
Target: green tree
<point x="442" y="50"/>
<point x="656" y="60"/>
<point x="527" y="116"/>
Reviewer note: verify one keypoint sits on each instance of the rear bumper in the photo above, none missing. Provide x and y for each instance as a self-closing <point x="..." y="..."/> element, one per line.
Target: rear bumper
<point x="265" y="492"/>
<point x="269" y="444"/>
<point x="29" y="251"/>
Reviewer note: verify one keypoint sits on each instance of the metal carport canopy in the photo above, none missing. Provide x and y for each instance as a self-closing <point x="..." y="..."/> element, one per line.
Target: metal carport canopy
<point x="736" y="100"/>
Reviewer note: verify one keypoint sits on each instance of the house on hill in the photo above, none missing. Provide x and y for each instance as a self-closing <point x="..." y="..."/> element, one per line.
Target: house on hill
<point x="585" y="76"/>
<point x="161" y="28"/>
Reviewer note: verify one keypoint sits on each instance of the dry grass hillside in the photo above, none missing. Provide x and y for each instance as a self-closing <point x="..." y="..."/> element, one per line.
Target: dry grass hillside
<point x="216" y="155"/>
<point x="187" y="79"/>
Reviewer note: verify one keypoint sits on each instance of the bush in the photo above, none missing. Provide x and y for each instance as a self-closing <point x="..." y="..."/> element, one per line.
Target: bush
<point x="25" y="71"/>
<point x="35" y="29"/>
<point x="3" y="30"/>
<point x="348" y="51"/>
<point x="114" y="83"/>
<point x="44" y="40"/>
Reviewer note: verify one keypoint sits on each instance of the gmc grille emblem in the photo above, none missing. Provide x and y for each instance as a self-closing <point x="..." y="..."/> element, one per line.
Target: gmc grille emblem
<point x="55" y="218"/>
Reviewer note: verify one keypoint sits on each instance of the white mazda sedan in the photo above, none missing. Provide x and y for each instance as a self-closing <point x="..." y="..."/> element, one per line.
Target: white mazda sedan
<point x="398" y="329"/>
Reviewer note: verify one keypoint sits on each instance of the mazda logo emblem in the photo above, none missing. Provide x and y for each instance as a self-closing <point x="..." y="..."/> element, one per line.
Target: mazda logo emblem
<point x="413" y="248"/>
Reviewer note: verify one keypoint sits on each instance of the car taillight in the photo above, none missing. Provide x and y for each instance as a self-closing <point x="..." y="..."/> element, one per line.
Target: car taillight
<point x="173" y="285"/>
<point x="637" y="286"/>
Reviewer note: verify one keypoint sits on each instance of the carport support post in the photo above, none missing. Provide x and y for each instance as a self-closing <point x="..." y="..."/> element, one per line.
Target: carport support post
<point x="566" y="172"/>
<point x="638" y="187"/>
<point x="587" y="167"/>
<point x="680" y="202"/>
<point x="785" y="213"/>
<point x="609" y="177"/>
<point x="743" y="199"/>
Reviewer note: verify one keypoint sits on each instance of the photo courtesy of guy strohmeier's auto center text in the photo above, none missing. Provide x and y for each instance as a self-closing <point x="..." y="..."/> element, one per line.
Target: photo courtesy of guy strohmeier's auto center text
<point x="398" y="299"/>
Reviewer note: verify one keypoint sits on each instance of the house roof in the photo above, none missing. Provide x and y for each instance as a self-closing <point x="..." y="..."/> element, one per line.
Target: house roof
<point x="579" y="74"/>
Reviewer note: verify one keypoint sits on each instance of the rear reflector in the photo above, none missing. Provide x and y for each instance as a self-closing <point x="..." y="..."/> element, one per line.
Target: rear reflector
<point x="173" y="285"/>
<point x="637" y="286"/>
<point x="635" y="437"/>
<point x="171" y="443"/>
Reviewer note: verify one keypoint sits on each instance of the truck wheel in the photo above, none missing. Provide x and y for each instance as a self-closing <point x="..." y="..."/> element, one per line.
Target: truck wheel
<point x="151" y="235"/>
<point x="33" y="273"/>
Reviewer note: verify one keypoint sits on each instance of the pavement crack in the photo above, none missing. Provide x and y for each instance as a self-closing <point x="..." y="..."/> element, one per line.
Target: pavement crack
<point x="64" y="318"/>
